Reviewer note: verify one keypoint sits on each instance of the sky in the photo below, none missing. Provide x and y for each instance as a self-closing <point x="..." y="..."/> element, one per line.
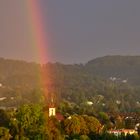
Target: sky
<point x="76" y="30"/>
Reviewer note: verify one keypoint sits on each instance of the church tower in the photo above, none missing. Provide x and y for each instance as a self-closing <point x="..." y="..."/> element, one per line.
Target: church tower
<point x="52" y="108"/>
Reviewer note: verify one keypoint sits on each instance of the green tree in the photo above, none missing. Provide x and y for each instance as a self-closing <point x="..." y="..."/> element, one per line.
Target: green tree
<point x="31" y="121"/>
<point x="84" y="137"/>
<point x="92" y="124"/>
<point x="54" y="129"/>
<point x="81" y="125"/>
<point x="72" y="125"/>
<point x="4" y="134"/>
<point x="4" y="118"/>
<point x="104" y="118"/>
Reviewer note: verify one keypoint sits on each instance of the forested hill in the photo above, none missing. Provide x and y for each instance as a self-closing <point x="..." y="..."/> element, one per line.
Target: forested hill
<point x="15" y="72"/>
<point x="109" y="79"/>
<point x="125" y="67"/>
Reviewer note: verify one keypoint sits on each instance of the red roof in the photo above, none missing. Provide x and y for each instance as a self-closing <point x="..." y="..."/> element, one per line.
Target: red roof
<point x="59" y="117"/>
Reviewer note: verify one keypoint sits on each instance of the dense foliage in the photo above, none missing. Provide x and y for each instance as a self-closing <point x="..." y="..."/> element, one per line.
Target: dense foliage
<point x="31" y="122"/>
<point x="111" y="83"/>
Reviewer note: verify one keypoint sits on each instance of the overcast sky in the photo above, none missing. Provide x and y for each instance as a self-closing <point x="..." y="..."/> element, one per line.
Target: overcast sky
<point x="78" y="30"/>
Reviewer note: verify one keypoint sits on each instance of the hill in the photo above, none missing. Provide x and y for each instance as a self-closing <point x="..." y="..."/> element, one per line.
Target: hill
<point x="125" y="67"/>
<point x="110" y="82"/>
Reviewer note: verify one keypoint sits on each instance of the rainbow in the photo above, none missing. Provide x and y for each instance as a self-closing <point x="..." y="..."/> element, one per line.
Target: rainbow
<point x="36" y="28"/>
<point x="37" y="36"/>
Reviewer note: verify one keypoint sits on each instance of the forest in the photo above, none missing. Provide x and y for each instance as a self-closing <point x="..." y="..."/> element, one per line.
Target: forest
<point x="111" y="83"/>
<point x="93" y="98"/>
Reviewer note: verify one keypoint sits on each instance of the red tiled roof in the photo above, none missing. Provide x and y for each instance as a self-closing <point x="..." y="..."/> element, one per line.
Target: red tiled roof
<point x="59" y="117"/>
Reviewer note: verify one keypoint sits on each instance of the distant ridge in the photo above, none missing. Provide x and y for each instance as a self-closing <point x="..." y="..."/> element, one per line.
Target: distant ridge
<point x="127" y="67"/>
<point x="117" y="59"/>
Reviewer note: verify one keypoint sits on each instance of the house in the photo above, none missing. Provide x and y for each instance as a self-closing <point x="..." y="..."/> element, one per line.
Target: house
<point x="118" y="132"/>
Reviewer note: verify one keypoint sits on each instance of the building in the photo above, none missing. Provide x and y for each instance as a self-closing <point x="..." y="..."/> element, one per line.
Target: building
<point x="52" y="108"/>
<point x="118" y="132"/>
<point x="52" y="111"/>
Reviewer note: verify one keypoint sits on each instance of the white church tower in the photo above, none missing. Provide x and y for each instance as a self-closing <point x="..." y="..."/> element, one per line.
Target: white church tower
<point x="52" y="109"/>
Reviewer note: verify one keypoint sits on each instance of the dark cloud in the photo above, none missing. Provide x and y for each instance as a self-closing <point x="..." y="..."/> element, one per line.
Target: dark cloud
<point x="78" y="30"/>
